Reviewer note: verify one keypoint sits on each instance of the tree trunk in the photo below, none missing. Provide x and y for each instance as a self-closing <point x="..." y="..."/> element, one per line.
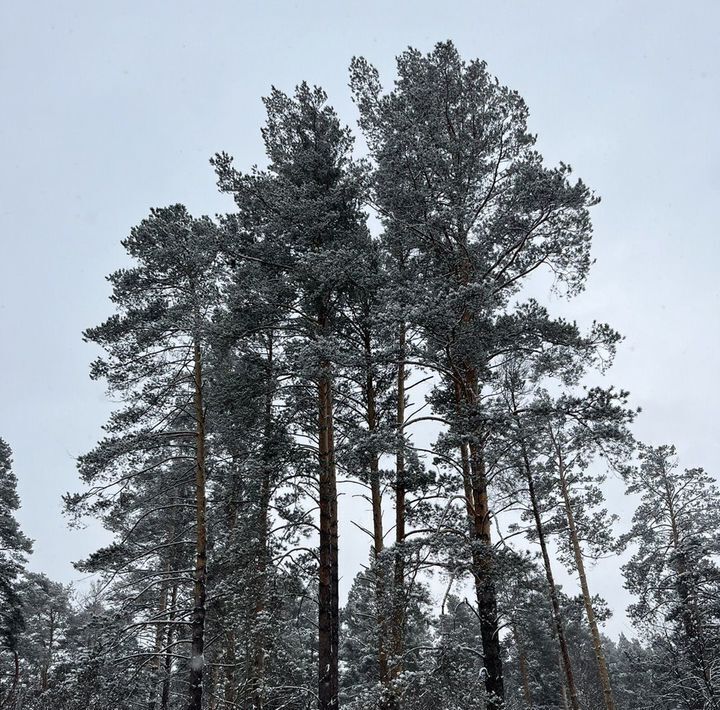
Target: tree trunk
<point x="476" y="489"/>
<point x="230" y="635"/>
<point x="587" y="599"/>
<point x="376" y="501"/>
<point x="197" y="660"/>
<point x="398" y="626"/>
<point x="165" y="697"/>
<point x="260" y="632"/>
<point x="229" y="661"/>
<point x="328" y="604"/>
<point x="45" y="670"/>
<point x="484" y="583"/>
<point x="563" y="685"/>
<point x="571" y="697"/>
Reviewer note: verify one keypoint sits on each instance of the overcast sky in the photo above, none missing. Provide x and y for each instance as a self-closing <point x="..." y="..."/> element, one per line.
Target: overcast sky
<point x="110" y="108"/>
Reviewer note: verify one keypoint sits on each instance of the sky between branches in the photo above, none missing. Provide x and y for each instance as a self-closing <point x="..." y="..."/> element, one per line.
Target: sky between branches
<point x="110" y="108"/>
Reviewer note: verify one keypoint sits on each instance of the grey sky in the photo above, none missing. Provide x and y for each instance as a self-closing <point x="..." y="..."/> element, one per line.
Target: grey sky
<point x="110" y="108"/>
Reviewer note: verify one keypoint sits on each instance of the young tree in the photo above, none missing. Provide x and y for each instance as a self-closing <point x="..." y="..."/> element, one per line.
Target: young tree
<point x="85" y="675"/>
<point x="531" y="644"/>
<point x="674" y="571"/>
<point x="15" y="547"/>
<point x="47" y="610"/>
<point x="553" y="352"/>
<point x="538" y="492"/>
<point x="631" y="668"/>
<point x="362" y="684"/>
<point x="581" y="429"/>
<point x="451" y="674"/>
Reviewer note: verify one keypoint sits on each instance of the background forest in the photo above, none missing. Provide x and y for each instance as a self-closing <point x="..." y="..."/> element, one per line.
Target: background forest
<point x="371" y="322"/>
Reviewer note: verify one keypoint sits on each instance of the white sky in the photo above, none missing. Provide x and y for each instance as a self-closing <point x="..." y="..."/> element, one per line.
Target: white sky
<point x="111" y="108"/>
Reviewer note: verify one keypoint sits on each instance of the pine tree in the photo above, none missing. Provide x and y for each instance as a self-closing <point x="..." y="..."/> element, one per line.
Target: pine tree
<point x="155" y="453"/>
<point x="307" y="206"/>
<point x="15" y="547"/>
<point x="673" y="571"/>
<point x="252" y="426"/>
<point x="455" y="169"/>
<point x="47" y="611"/>
<point x="371" y="371"/>
<point x="532" y="669"/>
<point x="579" y="431"/>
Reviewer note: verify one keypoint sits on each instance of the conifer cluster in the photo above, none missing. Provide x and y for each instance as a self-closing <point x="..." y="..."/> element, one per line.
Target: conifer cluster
<point x="285" y="373"/>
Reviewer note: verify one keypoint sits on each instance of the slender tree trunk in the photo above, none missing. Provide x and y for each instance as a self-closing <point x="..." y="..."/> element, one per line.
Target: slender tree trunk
<point x="229" y="661"/>
<point x="572" y="697"/>
<point x="260" y="631"/>
<point x="398" y="627"/>
<point x="328" y="611"/>
<point x="376" y="501"/>
<point x="165" y="696"/>
<point x="587" y="598"/>
<point x="197" y="660"/>
<point x="563" y="685"/>
<point x="44" y="673"/>
<point x="229" y="635"/>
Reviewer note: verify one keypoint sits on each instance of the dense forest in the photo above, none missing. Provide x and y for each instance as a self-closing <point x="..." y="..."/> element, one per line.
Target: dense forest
<point x="358" y="338"/>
